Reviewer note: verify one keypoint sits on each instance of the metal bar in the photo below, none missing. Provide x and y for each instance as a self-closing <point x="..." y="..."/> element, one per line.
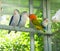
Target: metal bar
<point x="31" y="34"/>
<point x="23" y="29"/>
<point x="44" y="8"/>
<point x="0" y="7"/>
<point x="12" y="5"/>
<point x="44" y="16"/>
<point x="49" y="43"/>
<point x="49" y="26"/>
<point x="32" y="42"/>
<point x="46" y="13"/>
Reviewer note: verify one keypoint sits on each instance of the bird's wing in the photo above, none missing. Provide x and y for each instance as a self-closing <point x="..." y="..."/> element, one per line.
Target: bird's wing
<point x="19" y="20"/>
<point x="35" y="22"/>
<point x="38" y="25"/>
<point x="11" y="20"/>
<point x="43" y="26"/>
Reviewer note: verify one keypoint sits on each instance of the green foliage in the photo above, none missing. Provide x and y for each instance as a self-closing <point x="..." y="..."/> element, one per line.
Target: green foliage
<point x="17" y="42"/>
<point x="56" y="37"/>
<point x="55" y="27"/>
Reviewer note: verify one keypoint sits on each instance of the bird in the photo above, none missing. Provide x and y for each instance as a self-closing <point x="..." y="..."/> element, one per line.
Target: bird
<point x="14" y="19"/>
<point x="24" y="18"/>
<point x="56" y="17"/>
<point x="38" y="25"/>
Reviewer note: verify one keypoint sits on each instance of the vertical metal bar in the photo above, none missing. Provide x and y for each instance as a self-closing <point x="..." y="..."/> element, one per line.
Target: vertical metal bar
<point x="31" y="42"/>
<point x="31" y="34"/>
<point x="44" y="16"/>
<point x="0" y="8"/>
<point x="44" y="8"/>
<point x="30" y="6"/>
<point x="49" y="25"/>
<point x="46" y="13"/>
<point x="45" y="43"/>
<point x="49" y="43"/>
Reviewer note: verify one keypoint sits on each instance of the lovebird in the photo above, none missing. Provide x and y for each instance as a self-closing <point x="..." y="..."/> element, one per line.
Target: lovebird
<point x="14" y="19"/>
<point x="37" y="25"/>
<point x="24" y="18"/>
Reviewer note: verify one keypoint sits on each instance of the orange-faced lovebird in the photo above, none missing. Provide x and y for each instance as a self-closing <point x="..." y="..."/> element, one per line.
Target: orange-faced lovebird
<point x="37" y="25"/>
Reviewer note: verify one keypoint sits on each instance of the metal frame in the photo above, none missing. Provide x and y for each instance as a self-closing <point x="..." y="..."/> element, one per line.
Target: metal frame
<point x="8" y="5"/>
<point x="46" y="14"/>
<point x="31" y="34"/>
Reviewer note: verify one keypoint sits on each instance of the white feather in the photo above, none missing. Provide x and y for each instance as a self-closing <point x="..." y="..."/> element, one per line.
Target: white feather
<point x="45" y="22"/>
<point x="56" y="17"/>
<point x="15" y="20"/>
<point x="24" y="18"/>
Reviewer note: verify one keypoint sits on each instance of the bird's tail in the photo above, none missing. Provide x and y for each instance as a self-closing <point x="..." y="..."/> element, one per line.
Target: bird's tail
<point x="15" y="31"/>
<point x="38" y="34"/>
<point x="9" y="32"/>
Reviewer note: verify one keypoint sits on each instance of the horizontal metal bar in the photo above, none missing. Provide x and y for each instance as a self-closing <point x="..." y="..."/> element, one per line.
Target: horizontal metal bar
<point x="23" y="29"/>
<point x="6" y="27"/>
<point x="12" y="5"/>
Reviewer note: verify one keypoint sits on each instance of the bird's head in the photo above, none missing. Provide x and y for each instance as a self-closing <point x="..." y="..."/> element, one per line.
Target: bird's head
<point x="16" y="11"/>
<point x="25" y="13"/>
<point x="45" y="21"/>
<point x="32" y="16"/>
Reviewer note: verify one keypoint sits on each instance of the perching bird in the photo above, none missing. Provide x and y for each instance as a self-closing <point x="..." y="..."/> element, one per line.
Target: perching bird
<point x="56" y="17"/>
<point x="24" y="18"/>
<point x="14" y="19"/>
<point x="37" y="25"/>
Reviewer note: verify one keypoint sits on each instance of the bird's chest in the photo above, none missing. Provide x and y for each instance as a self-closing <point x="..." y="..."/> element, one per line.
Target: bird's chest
<point x="15" y="20"/>
<point x="23" y="21"/>
<point x="37" y="24"/>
